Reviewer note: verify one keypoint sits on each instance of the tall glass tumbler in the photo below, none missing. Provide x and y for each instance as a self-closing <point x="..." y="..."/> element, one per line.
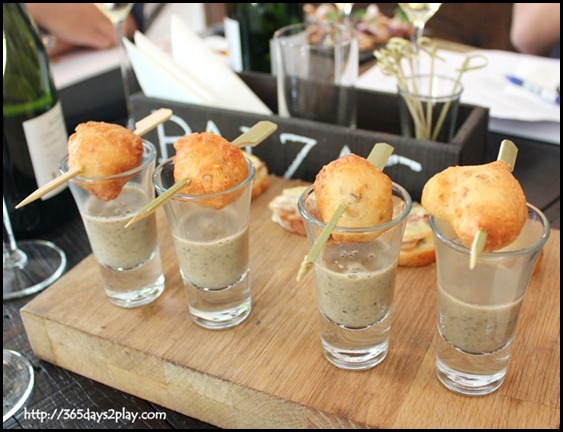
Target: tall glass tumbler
<point x="478" y="308"/>
<point x="212" y="246"/>
<point x="355" y="283"/>
<point x="317" y="70"/>
<point x="429" y="106"/>
<point x="128" y="258"/>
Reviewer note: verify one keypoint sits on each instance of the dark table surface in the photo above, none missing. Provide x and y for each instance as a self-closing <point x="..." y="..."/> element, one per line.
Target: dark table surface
<point x="70" y="400"/>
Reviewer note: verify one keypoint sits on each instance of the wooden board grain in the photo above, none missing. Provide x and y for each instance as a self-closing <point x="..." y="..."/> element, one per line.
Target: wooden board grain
<point x="269" y="371"/>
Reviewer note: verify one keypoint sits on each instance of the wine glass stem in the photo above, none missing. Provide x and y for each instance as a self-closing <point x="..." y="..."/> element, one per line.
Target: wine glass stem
<point x="12" y="256"/>
<point x="418" y="33"/>
<point x="124" y="66"/>
<point x="347" y="12"/>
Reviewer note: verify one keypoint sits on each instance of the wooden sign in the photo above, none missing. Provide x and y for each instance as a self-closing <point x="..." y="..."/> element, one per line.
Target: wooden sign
<point x="299" y="148"/>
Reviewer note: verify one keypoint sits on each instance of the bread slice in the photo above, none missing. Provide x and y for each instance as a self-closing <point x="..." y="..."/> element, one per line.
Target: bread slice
<point x="417" y="248"/>
<point x="285" y="211"/>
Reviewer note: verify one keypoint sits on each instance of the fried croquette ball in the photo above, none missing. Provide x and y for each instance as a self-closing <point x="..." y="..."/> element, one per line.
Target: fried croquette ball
<point x="104" y="149"/>
<point x="366" y="191"/>
<point x="478" y="198"/>
<point x="212" y="164"/>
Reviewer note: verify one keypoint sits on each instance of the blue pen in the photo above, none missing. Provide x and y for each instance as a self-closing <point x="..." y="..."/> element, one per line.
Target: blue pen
<point x="537" y="89"/>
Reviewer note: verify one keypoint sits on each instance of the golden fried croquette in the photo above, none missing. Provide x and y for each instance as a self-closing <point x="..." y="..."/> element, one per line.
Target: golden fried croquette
<point x="103" y="149"/>
<point x="212" y="164"/>
<point x="478" y="198"/>
<point x="366" y="191"/>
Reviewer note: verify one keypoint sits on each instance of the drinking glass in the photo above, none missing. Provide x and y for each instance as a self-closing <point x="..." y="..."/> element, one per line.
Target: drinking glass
<point x="355" y="283"/>
<point x="478" y="308"/>
<point x="128" y="258"/>
<point x="29" y="265"/>
<point x="17" y="382"/>
<point x="211" y="239"/>
<point x="117" y="12"/>
<point x="317" y="70"/>
<point x="418" y="15"/>
<point x="345" y="10"/>
<point x="428" y="107"/>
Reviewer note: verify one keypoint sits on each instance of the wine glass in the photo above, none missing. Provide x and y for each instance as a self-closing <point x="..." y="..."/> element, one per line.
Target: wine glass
<point x="345" y="10"/>
<point x="29" y="265"/>
<point x="18" y="379"/>
<point x="418" y="15"/>
<point x="116" y="13"/>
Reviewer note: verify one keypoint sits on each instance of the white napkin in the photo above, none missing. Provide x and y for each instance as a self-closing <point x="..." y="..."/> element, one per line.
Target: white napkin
<point x="192" y="74"/>
<point x="159" y="77"/>
<point x="190" y="52"/>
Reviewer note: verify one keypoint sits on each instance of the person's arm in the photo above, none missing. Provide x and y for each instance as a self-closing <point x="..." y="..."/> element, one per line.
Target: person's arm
<point x="76" y="25"/>
<point x="535" y="27"/>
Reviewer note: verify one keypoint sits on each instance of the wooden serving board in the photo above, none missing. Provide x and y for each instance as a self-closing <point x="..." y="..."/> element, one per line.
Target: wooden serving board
<point x="269" y="371"/>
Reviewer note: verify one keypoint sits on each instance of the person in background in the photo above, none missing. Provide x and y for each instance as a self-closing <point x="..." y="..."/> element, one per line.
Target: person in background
<point x="536" y="28"/>
<point x="71" y="26"/>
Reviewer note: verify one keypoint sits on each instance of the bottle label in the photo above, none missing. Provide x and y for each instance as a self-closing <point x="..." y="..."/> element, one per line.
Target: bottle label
<point x="47" y="139"/>
<point x="232" y="34"/>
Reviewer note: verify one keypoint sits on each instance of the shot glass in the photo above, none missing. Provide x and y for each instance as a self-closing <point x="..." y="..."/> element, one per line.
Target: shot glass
<point x="317" y="70"/>
<point x="355" y="283"/>
<point x="428" y="107"/>
<point x="212" y="247"/>
<point x="128" y="258"/>
<point x="478" y="309"/>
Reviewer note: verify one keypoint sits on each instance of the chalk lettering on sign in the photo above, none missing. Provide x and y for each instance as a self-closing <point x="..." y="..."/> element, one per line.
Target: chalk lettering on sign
<point x="402" y="160"/>
<point x="212" y="128"/>
<point x="164" y="140"/>
<point x="309" y="143"/>
<point x="345" y="151"/>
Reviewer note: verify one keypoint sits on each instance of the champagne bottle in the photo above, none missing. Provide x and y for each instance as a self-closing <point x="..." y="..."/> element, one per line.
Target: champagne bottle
<point x="249" y="27"/>
<point x="34" y="137"/>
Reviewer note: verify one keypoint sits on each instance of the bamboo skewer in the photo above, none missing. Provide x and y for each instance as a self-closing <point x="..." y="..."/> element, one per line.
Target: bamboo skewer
<point x="507" y="152"/>
<point x="252" y="137"/>
<point x="48" y="187"/>
<point x="317" y="247"/>
<point x="141" y="127"/>
<point x="256" y="134"/>
<point x="378" y="157"/>
<point x="154" y="204"/>
<point x="151" y="121"/>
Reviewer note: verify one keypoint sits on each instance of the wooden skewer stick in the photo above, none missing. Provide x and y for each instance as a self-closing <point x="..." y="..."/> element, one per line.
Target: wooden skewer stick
<point x="378" y="157"/>
<point x="507" y="152"/>
<point x="256" y="134"/>
<point x="153" y="205"/>
<point x="380" y="154"/>
<point x="48" y="187"/>
<point x="310" y="258"/>
<point x="252" y="137"/>
<point x="151" y="121"/>
<point x="141" y="127"/>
